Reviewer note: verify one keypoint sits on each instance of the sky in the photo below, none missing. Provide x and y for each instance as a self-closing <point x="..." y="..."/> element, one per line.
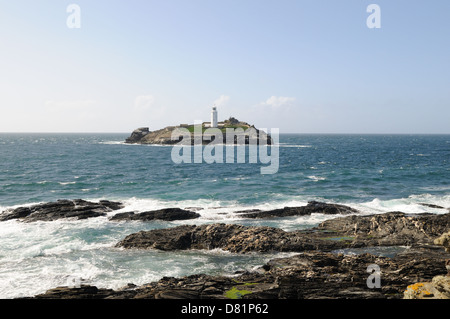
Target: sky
<point x="303" y="66"/>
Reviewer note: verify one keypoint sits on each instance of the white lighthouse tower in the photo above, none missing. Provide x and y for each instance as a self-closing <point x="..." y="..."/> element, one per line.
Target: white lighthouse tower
<point x="214" y="117"/>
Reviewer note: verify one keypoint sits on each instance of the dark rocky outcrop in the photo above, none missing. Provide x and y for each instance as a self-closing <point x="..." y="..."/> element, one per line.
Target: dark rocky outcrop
<point x="311" y="208"/>
<point x="77" y="208"/>
<point x="444" y="240"/>
<point x="229" y="237"/>
<point x="168" y="214"/>
<point x="137" y="135"/>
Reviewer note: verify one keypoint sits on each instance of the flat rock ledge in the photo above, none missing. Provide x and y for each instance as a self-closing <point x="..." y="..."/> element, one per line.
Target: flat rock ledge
<point x="389" y="229"/>
<point x="229" y="237"/>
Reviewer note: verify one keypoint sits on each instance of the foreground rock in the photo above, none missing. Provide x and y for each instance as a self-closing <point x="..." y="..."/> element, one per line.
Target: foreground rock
<point x="168" y="214"/>
<point x="439" y="287"/>
<point x="77" y="208"/>
<point x="313" y="207"/>
<point x="310" y="275"/>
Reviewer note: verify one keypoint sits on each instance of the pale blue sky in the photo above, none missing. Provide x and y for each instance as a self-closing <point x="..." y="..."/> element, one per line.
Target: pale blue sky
<point x="301" y="66"/>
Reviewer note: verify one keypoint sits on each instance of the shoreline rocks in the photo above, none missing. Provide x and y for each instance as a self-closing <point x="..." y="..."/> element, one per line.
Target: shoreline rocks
<point x="317" y="270"/>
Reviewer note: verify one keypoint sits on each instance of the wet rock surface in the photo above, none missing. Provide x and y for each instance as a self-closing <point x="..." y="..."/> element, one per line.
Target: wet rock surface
<point x="77" y="208"/>
<point x="167" y="214"/>
<point x="311" y="208"/>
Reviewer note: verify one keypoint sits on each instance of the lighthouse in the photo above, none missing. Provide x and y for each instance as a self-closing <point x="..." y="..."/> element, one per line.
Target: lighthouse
<point x="214" y="117"/>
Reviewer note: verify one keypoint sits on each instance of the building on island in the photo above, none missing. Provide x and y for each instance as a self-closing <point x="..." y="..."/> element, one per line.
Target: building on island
<point x="214" y="117"/>
<point x="214" y="122"/>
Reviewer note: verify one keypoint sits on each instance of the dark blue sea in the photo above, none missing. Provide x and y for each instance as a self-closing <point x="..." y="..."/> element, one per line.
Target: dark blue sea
<point x="373" y="173"/>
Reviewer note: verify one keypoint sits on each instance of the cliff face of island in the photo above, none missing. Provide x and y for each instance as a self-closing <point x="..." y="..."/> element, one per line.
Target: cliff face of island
<point x="239" y="132"/>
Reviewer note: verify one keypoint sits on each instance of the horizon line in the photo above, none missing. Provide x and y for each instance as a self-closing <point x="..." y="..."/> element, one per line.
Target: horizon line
<point x="284" y="133"/>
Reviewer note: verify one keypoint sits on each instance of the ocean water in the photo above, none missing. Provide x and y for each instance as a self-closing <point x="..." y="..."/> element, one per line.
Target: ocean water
<point x="373" y="173"/>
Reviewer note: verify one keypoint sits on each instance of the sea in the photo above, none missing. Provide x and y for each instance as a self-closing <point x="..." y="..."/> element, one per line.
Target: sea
<point x="372" y="173"/>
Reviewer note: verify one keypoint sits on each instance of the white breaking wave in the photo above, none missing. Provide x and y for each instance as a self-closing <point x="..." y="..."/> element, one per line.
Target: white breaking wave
<point x="294" y="145"/>
<point x="114" y="143"/>
<point x="67" y="183"/>
<point x="38" y="256"/>
<point x="131" y="144"/>
<point x="414" y="204"/>
<point x="317" y="178"/>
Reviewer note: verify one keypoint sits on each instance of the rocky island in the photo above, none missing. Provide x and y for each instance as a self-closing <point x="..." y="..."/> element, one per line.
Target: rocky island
<point x="204" y="133"/>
